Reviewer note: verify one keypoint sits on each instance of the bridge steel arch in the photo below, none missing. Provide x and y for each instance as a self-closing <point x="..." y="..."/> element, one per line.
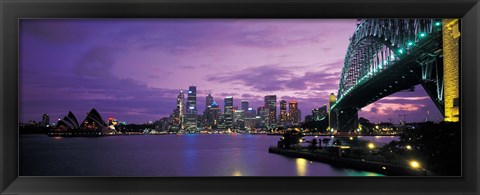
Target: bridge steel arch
<point x="386" y="56"/>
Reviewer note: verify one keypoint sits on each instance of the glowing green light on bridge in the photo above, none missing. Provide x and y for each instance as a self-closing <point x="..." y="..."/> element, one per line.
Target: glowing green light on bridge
<point x="438" y="23"/>
<point x="410" y="43"/>
<point x="400" y="51"/>
<point x="423" y="34"/>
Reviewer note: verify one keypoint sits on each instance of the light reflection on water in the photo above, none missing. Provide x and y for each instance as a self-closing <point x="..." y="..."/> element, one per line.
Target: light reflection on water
<point x="237" y="173"/>
<point x="301" y="166"/>
<point x="165" y="155"/>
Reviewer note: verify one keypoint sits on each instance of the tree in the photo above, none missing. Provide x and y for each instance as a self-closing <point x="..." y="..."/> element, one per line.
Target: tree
<point x="291" y="138"/>
<point x="313" y="144"/>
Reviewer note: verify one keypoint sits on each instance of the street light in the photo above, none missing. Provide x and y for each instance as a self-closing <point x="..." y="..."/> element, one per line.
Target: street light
<point x="371" y="145"/>
<point x="409" y="147"/>
<point x="414" y="164"/>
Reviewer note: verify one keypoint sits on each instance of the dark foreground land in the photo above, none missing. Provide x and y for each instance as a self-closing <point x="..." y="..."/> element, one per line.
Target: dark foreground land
<point x="427" y="149"/>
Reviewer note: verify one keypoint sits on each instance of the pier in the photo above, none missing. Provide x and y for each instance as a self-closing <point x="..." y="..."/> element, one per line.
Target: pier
<point x="333" y="156"/>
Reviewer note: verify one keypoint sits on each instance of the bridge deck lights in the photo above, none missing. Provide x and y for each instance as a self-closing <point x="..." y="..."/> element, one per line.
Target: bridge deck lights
<point x="423" y="34"/>
<point x="400" y="51"/>
<point x="438" y="23"/>
<point x="410" y="43"/>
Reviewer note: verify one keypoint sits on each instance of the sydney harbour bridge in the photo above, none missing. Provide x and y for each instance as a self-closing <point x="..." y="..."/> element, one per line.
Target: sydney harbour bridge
<point x="386" y="56"/>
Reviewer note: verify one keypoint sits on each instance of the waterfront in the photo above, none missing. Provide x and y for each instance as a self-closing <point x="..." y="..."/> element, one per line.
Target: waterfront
<point x="168" y="155"/>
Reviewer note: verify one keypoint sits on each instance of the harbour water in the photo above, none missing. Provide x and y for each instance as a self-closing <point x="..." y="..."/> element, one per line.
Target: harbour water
<point x="168" y="155"/>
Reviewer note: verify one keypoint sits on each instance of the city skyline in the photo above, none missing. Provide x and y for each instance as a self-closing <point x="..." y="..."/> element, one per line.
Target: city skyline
<point x="133" y="70"/>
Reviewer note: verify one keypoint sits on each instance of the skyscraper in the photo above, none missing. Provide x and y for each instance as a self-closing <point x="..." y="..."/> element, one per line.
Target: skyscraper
<point x="228" y="112"/>
<point x="245" y="105"/>
<point x="250" y="118"/>
<point x="207" y="112"/>
<point x="181" y="110"/>
<point x="283" y="112"/>
<point x="271" y="105"/>
<point x="262" y="116"/>
<point x="214" y="115"/>
<point x="239" y="119"/>
<point x="191" y="116"/>
<point x="208" y="101"/>
<point x="293" y="112"/>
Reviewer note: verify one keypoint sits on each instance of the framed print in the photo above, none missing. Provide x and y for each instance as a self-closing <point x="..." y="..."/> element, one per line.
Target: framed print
<point x="239" y="97"/>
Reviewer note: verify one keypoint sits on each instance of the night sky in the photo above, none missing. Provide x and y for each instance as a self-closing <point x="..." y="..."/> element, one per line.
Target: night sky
<point x="133" y="69"/>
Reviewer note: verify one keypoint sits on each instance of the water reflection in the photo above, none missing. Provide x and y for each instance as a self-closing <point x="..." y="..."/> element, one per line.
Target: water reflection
<point x="237" y="173"/>
<point x="350" y="172"/>
<point x="166" y="155"/>
<point x="301" y="166"/>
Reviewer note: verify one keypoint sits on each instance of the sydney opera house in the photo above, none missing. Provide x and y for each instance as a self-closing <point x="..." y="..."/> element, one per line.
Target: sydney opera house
<point x="93" y="125"/>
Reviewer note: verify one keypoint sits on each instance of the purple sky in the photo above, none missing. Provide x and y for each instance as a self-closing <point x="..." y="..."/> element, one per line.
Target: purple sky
<point x="133" y="69"/>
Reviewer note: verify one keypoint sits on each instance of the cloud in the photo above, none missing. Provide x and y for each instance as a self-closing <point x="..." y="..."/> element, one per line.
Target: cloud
<point x="93" y="85"/>
<point x="262" y="78"/>
<point x="272" y="36"/>
<point x="277" y="78"/>
<point x="413" y="104"/>
<point x="97" y="62"/>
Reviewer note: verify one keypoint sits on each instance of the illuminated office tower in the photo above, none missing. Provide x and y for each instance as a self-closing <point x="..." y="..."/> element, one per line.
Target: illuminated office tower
<point x="293" y="112"/>
<point x="221" y="121"/>
<point x="181" y="110"/>
<point x="250" y="118"/>
<point x="262" y="116"/>
<point x="208" y="101"/>
<point x="214" y="115"/>
<point x="207" y="113"/>
<point x="271" y="106"/>
<point x="228" y="112"/>
<point x="239" y="119"/>
<point x="191" y="116"/>
<point x="283" y="112"/>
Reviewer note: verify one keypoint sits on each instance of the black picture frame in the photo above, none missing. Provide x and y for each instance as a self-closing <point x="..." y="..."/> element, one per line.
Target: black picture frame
<point x="467" y="10"/>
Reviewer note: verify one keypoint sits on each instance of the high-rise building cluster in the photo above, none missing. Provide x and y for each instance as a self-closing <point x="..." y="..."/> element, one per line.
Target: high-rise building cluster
<point x="186" y="116"/>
